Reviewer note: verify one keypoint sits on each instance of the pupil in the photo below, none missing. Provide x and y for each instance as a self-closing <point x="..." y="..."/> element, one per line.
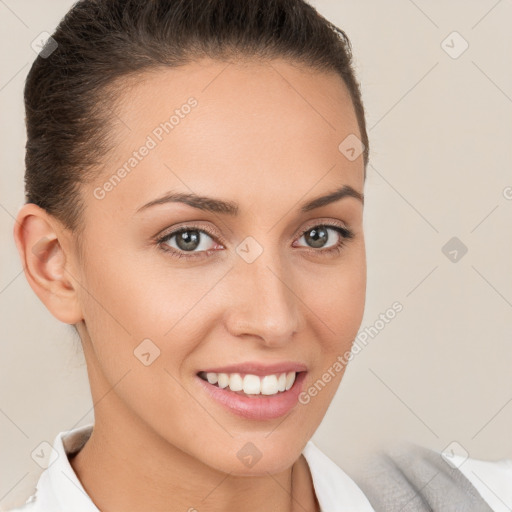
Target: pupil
<point x="188" y="240"/>
<point x="317" y="237"/>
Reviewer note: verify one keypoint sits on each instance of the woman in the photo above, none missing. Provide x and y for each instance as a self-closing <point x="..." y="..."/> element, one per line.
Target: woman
<point x="194" y="208"/>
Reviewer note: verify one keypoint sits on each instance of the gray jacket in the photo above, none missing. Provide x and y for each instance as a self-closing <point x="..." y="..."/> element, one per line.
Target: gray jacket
<point x="413" y="478"/>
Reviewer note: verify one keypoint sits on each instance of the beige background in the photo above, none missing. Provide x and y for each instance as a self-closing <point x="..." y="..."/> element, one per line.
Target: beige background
<point x="440" y="132"/>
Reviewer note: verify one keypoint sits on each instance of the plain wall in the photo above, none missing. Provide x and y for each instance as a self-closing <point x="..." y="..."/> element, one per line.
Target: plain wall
<point x="441" y="153"/>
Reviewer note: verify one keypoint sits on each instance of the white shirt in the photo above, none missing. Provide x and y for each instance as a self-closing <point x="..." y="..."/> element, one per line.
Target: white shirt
<point x="492" y="480"/>
<point x="59" y="489"/>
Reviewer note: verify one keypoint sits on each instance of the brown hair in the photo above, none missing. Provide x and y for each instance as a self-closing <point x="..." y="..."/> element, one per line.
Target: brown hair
<point x="70" y="92"/>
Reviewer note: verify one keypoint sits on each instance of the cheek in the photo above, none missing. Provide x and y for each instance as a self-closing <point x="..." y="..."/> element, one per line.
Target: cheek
<point x="135" y="306"/>
<point x="143" y="323"/>
<point x="336" y="297"/>
<point x="335" y="311"/>
<point x="141" y="296"/>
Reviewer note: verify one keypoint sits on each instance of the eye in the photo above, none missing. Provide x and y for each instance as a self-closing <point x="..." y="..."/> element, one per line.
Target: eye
<point x="188" y="239"/>
<point x="328" y="238"/>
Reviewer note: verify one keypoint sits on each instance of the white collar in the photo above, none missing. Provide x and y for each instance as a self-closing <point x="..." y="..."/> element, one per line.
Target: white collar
<point x="334" y="489"/>
<point x="59" y="488"/>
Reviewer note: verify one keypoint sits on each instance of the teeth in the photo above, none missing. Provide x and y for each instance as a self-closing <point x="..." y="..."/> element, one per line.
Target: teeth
<point x="281" y="382"/>
<point x="252" y="384"/>
<point x="290" y="379"/>
<point x="223" y="380"/>
<point x="235" y="382"/>
<point x="269" y="385"/>
<point x="212" y="378"/>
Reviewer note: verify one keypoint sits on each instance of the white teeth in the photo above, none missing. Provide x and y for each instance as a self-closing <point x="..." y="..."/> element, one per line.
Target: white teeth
<point x="223" y="380"/>
<point x="290" y="379"/>
<point x="281" y="382"/>
<point x="212" y="378"/>
<point x="253" y="384"/>
<point x="235" y="382"/>
<point x="269" y="385"/>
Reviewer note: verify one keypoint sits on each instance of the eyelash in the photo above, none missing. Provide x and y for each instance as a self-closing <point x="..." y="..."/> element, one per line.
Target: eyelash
<point x="345" y="233"/>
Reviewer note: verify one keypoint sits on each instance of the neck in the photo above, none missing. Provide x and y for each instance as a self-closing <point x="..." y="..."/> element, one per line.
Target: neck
<point x="125" y="473"/>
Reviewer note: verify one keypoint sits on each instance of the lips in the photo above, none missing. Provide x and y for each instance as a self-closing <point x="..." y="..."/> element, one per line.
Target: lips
<point x="255" y="407"/>
<point x="260" y="369"/>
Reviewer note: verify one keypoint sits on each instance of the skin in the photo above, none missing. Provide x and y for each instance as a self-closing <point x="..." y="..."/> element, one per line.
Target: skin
<point x="266" y="136"/>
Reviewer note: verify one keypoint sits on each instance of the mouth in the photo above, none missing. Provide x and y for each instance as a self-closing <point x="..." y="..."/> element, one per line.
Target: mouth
<point x="248" y="384"/>
<point x="254" y="397"/>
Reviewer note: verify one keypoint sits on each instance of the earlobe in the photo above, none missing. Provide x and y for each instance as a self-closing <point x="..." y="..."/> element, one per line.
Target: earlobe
<point x="45" y="262"/>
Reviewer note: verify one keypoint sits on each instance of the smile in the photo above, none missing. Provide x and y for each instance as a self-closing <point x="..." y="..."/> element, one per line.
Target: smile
<point x="255" y="397"/>
<point x="250" y="384"/>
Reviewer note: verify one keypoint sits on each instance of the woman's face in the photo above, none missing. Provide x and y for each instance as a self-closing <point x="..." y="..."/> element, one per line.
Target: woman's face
<point x="256" y="282"/>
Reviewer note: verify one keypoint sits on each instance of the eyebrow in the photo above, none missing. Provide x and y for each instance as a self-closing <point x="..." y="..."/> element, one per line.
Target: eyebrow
<point x="231" y="208"/>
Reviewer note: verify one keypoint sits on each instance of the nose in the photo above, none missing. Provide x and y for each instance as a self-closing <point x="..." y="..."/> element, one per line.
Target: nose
<point x="263" y="301"/>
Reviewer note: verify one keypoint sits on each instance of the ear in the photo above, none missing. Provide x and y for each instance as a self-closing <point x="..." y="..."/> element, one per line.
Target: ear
<point x="39" y="239"/>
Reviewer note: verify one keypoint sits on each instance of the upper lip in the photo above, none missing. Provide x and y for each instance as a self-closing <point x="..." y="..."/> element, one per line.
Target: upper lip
<point x="256" y="368"/>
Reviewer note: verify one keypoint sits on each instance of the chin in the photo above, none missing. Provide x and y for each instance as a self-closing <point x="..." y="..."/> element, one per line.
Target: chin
<point x="257" y="457"/>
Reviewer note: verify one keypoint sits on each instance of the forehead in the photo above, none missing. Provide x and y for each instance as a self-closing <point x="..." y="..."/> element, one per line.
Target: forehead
<point x="242" y="126"/>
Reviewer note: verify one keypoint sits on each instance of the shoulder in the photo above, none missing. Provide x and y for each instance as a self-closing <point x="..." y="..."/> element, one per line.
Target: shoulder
<point x="58" y="487"/>
<point x="411" y="477"/>
<point x="31" y="505"/>
<point x="491" y="478"/>
<point x="42" y="499"/>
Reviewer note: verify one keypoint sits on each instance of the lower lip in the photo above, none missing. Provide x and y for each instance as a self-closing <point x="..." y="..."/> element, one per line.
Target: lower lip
<point x="256" y="407"/>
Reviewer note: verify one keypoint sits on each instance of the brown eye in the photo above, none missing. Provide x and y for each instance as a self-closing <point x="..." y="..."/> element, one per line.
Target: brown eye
<point x="317" y="237"/>
<point x="320" y="237"/>
<point x="187" y="240"/>
<point x="326" y="240"/>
